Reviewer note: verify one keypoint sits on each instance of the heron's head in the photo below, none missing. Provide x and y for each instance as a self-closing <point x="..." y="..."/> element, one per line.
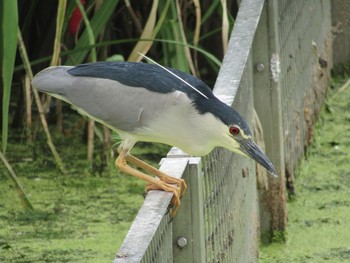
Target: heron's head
<point x="242" y="143"/>
<point x="235" y="134"/>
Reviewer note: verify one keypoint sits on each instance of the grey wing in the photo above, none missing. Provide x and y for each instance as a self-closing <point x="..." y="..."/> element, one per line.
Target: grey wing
<point x="118" y="106"/>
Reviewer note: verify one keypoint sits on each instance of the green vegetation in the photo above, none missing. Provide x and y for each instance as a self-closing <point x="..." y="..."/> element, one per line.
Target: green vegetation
<point x="318" y="216"/>
<point x="8" y="28"/>
<point x="80" y="217"/>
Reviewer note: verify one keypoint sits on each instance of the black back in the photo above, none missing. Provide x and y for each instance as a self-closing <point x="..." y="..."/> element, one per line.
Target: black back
<point x="149" y="76"/>
<point x="156" y="79"/>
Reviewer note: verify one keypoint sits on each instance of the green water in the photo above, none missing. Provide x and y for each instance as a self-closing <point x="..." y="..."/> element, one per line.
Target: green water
<point x="319" y="216"/>
<point x="81" y="217"/>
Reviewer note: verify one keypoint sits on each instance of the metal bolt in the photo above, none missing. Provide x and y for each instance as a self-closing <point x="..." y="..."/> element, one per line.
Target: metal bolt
<point x="260" y="67"/>
<point x="182" y="242"/>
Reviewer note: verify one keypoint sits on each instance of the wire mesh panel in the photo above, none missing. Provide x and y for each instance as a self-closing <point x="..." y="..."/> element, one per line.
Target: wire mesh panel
<point x="290" y="51"/>
<point x="159" y="250"/>
<point x="230" y="210"/>
<point x="230" y="192"/>
<point x="304" y="48"/>
<point x="150" y="236"/>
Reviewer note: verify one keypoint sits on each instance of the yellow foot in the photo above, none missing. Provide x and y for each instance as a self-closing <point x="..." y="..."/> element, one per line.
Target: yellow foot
<point x="179" y="183"/>
<point x="175" y="201"/>
<point x="166" y="183"/>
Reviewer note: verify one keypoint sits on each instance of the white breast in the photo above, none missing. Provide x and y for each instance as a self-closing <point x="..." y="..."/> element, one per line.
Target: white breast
<point x="182" y="126"/>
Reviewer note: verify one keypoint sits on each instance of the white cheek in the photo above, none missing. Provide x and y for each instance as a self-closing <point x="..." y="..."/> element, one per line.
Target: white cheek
<point x="230" y="143"/>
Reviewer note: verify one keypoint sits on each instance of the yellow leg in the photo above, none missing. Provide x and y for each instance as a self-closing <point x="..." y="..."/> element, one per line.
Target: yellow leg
<point x="164" y="177"/>
<point x="165" y="183"/>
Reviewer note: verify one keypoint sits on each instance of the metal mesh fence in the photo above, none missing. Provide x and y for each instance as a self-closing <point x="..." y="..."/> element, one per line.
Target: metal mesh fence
<point x="158" y="250"/>
<point x="304" y="38"/>
<point x="230" y="198"/>
<point x="225" y="214"/>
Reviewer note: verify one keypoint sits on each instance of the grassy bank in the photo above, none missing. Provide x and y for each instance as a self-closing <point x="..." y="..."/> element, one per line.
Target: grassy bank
<point x="318" y="217"/>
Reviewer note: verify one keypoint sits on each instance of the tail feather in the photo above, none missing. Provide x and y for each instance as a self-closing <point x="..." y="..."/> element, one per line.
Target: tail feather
<point x="53" y="80"/>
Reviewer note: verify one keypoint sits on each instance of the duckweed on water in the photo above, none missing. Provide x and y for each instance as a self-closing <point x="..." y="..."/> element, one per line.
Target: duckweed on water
<point x="318" y="218"/>
<point x="81" y="217"/>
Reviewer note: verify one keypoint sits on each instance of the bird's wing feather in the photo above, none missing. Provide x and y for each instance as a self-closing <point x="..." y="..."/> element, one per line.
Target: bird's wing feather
<point x="108" y="101"/>
<point x="148" y="76"/>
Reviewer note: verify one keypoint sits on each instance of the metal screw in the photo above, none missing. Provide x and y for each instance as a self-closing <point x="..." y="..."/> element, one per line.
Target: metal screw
<point x="182" y="242"/>
<point x="260" y="67"/>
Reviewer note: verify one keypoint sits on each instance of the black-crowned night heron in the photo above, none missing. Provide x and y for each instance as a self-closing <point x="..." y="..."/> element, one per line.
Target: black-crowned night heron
<point x="148" y="102"/>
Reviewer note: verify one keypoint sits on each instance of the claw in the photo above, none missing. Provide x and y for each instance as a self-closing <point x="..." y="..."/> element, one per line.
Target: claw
<point x="180" y="183"/>
<point x="183" y="187"/>
<point x="166" y="183"/>
<point x="175" y="201"/>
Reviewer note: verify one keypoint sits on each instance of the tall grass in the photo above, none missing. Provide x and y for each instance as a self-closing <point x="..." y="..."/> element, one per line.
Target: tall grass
<point x="8" y="46"/>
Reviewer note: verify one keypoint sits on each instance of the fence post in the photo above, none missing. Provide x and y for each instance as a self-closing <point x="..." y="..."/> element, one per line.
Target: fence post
<point x="267" y="101"/>
<point x="149" y="238"/>
<point x="188" y="225"/>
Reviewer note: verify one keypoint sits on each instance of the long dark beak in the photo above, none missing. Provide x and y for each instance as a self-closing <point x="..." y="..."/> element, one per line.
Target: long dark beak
<point x="250" y="148"/>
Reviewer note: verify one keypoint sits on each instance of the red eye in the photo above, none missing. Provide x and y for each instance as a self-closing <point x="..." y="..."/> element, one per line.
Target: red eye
<point x="234" y="130"/>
